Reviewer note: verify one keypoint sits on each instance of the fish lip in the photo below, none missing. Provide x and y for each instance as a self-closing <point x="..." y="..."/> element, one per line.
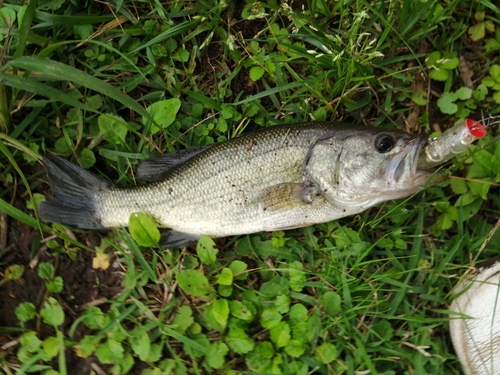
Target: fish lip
<point x="410" y="154"/>
<point x="416" y="152"/>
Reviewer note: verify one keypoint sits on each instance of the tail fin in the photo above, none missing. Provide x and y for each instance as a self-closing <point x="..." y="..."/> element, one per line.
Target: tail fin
<point x="74" y="189"/>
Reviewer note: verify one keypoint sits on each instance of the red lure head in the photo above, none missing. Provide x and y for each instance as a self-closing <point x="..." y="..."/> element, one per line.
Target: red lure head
<point x="476" y="129"/>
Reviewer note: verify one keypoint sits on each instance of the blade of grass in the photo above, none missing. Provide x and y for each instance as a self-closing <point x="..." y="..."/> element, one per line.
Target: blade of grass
<point x="49" y="50"/>
<point x="55" y="19"/>
<point x="185" y="340"/>
<point x="25" y="28"/>
<point x="63" y="72"/>
<point x="19" y="215"/>
<point x="32" y="85"/>
<point x="139" y="256"/>
<point x="170" y="33"/>
<point x="13" y="162"/>
<point x="269" y="92"/>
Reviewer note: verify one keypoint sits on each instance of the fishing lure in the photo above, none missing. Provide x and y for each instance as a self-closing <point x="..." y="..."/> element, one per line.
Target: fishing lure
<point x="451" y="143"/>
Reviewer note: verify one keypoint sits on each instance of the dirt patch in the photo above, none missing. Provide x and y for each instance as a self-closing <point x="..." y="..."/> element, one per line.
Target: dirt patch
<point x="83" y="285"/>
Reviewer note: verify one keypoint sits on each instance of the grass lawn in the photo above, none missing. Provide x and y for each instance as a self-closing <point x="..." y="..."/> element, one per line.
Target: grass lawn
<point x="109" y="84"/>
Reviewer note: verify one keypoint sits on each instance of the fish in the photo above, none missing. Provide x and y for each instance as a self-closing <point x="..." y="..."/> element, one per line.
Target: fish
<point x="277" y="178"/>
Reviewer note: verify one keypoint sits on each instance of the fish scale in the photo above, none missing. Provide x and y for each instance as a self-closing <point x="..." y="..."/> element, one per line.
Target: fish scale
<point x="278" y="178"/>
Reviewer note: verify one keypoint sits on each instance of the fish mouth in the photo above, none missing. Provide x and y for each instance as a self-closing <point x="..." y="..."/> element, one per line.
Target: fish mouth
<point x="403" y="169"/>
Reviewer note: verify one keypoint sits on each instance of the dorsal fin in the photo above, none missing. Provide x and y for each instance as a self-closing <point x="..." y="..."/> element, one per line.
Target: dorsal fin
<point x="155" y="168"/>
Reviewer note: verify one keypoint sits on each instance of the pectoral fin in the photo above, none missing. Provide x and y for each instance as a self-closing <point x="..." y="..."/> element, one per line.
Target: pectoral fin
<point x="287" y="196"/>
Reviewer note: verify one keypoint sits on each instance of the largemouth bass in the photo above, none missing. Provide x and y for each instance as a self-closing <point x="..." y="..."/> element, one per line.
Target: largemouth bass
<point x="279" y="178"/>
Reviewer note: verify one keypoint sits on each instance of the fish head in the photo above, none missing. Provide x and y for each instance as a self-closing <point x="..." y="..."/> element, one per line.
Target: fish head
<point x="369" y="166"/>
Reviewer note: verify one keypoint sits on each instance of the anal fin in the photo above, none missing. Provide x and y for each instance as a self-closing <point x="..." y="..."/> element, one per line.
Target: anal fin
<point x="172" y="238"/>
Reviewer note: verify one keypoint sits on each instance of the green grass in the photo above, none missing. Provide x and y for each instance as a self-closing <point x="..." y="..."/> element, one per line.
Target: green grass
<point x="366" y="293"/>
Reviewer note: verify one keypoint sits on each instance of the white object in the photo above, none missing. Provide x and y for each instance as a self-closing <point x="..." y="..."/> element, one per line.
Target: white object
<point x="476" y="336"/>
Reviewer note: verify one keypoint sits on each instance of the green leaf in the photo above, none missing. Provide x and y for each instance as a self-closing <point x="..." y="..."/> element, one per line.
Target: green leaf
<point x="205" y="248"/>
<point x="446" y="103"/>
<point x="113" y="128"/>
<point x="46" y="270"/>
<point x="220" y="310"/>
<point x="13" y="272"/>
<point x="295" y="348"/>
<point x="55" y="285"/>
<point x="496" y="97"/>
<point x="87" y="158"/>
<point x="492" y="45"/>
<point x="256" y="73"/>
<point x="297" y="276"/>
<point x="253" y="10"/>
<point x="238" y="269"/>
<point x="143" y="230"/>
<point x="448" y="216"/>
<point x="432" y="59"/>
<point x="241" y="311"/>
<point x="319" y="115"/>
<point x="385" y="243"/>
<point x="194" y="283"/>
<point x="439" y="74"/>
<point x="313" y="326"/>
<point x="495" y="72"/>
<point x="30" y="341"/>
<point x="181" y="55"/>
<point x="282" y="303"/>
<point x="87" y="345"/>
<point x="52" y="312"/>
<point x="280" y="334"/>
<point x="448" y="61"/>
<point x="94" y="101"/>
<point x="238" y="341"/>
<point x="183" y="319"/>
<point x="94" y="318"/>
<point x="51" y="346"/>
<point x="265" y="350"/>
<point x="110" y="351"/>
<point x="331" y="302"/>
<point x="215" y="354"/>
<point x="419" y="97"/>
<point x="326" y="353"/>
<point x="25" y="311"/>
<point x="489" y="25"/>
<point x="7" y="17"/>
<point x="487" y="161"/>
<point x="278" y="239"/>
<point x="464" y="93"/>
<point x="83" y="31"/>
<point x="225" y="277"/>
<point x="38" y="198"/>
<point x="141" y="344"/>
<point x="221" y="126"/>
<point x="479" y="189"/>
<point x="63" y="145"/>
<point x="477" y="32"/>
<point x="298" y="313"/>
<point x="270" y="318"/>
<point x="163" y="112"/>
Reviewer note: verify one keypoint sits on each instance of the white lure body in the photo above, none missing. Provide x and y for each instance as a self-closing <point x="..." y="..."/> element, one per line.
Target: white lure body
<point x="476" y="336"/>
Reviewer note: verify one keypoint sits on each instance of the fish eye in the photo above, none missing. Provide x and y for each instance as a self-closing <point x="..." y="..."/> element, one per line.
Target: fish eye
<point x="384" y="143"/>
